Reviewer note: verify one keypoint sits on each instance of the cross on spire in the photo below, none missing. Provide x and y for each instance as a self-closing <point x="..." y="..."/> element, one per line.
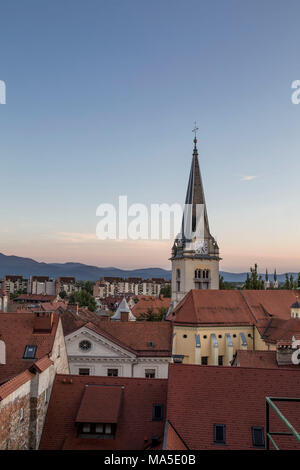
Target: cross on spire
<point x="195" y="131"/>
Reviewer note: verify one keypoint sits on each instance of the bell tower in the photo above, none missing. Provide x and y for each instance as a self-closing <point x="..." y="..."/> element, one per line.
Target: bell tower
<point x="195" y="253"/>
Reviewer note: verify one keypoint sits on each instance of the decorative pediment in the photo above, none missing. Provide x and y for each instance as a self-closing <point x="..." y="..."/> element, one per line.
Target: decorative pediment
<point x="99" y="346"/>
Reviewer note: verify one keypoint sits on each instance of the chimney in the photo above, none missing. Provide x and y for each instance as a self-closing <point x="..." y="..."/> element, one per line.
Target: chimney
<point x="43" y="322"/>
<point x="104" y="316"/>
<point x="124" y="316"/>
<point x="2" y="352"/>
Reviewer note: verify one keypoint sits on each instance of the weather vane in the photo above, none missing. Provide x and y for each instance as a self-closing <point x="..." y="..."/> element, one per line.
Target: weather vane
<point x="195" y="129"/>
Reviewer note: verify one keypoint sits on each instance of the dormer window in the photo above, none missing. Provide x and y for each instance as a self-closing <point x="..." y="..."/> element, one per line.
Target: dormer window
<point x="99" y="410"/>
<point x="96" y="430"/>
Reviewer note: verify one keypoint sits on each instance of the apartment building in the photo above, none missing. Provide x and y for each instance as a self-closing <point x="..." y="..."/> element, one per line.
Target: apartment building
<point x="113" y="286"/>
<point x="11" y="284"/>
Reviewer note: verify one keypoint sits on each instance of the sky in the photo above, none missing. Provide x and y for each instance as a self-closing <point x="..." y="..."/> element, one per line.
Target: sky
<point x="101" y="99"/>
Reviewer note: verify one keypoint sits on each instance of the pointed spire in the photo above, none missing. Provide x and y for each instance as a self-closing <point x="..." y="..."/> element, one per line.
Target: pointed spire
<point x="123" y="308"/>
<point x="195" y="195"/>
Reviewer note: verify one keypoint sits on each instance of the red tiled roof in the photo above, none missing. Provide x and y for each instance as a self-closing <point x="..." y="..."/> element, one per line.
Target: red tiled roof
<point x="211" y="306"/>
<point x="147" y="302"/>
<point x="53" y="306"/>
<point x="13" y="384"/>
<point x="71" y="321"/>
<point x="201" y="396"/>
<point x="233" y="307"/>
<point x="93" y="407"/>
<point x="36" y="298"/>
<point x="278" y="329"/>
<point x="135" y="427"/>
<point x="16" y="330"/>
<point x="275" y="302"/>
<point x="42" y="364"/>
<point x="136" y="336"/>
<point x="257" y="359"/>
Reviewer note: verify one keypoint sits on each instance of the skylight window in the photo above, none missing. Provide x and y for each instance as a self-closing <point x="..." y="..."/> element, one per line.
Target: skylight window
<point x="158" y="413"/>
<point x="219" y="434"/>
<point x="29" y="352"/>
<point x="258" y="437"/>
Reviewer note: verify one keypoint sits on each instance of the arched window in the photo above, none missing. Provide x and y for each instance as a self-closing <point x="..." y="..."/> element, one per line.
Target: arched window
<point x="177" y="273"/>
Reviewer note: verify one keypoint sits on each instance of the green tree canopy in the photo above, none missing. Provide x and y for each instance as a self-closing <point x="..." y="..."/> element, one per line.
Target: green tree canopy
<point x="84" y="299"/>
<point x="254" y="280"/>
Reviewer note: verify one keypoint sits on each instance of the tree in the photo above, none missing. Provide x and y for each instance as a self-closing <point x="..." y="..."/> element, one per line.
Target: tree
<point x="289" y="282"/>
<point x="166" y="290"/>
<point x="151" y="316"/>
<point x="63" y="294"/>
<point x="254" y="280"/>
<point x="225" y="285"/>
<point x="84" y="299"/>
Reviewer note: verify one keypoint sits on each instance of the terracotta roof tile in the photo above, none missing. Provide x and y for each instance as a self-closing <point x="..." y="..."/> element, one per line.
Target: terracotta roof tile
<point x="201" y="396"/>
<point x="13" y="384"/>
<point x="257" y="359"/>
<point x="141" y="337"/>
<point x="233" y="307"/>
<point x="135" y="427"/>
<point x="278" y="329"/>
<point x="17" y="331"/>
<point x="147" y="302"/>
<point x="42" y="364"/>
<point x="211" y="306"/>
<point x="94" y="404"/>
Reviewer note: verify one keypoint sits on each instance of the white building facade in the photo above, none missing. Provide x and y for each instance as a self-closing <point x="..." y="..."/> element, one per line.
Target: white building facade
<point x="92" y="353"/>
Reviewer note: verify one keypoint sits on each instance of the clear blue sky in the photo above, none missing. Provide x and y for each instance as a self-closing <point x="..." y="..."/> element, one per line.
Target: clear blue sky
<point x="101" y="100"/>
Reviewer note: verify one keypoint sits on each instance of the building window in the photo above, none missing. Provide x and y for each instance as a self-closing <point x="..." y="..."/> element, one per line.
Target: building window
<point x="84" y="371"/>
<point x="104" y="430"/>
<point x="157" y="412"/>
<point x="184" y="336"/>
<point x="177" y="273"/>
<point x="21" y="414"/>
<point x="150" y="373"/>
<point x="220" y="360"/>
<point x="47" y="394"/>
<point x="85" y="345"/>
<point x="112" y="372"/>
<point x="29" y="352"/>
<point x="178" y="286"/>
<point x="219" y="434"/>
<point x="58" y="350"/>
<point x="204" y="360"/>
<point x="197" y="273"/>
<point x="258" y="436"/>
<point x="86" y="428"/>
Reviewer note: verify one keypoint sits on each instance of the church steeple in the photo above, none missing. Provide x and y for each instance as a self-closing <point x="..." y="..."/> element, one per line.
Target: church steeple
<point x="194" y="197"/>
<point x="195" y="253"/>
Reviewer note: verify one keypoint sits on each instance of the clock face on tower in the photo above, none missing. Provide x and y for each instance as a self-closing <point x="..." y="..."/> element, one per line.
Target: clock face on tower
<point x="201" y="247"/>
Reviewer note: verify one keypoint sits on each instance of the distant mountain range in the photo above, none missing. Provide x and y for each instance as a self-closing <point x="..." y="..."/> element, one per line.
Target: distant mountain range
<point x="28" y="267"/>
